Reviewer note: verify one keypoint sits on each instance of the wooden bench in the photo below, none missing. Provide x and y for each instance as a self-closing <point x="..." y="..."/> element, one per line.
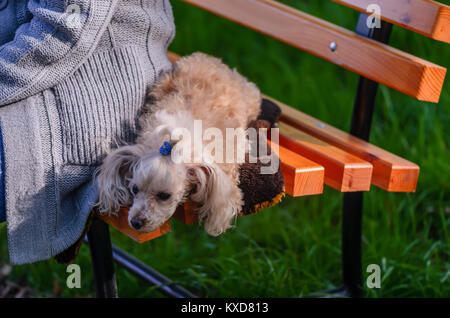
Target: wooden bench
<point x="314" y="153"/>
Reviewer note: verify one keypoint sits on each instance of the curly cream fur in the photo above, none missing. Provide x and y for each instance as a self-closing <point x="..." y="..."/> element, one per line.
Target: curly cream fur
<point x="199" y="87"/>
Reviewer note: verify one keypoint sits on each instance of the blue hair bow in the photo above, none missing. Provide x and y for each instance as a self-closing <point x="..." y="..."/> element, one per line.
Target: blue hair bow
<point x="165" y="149"/>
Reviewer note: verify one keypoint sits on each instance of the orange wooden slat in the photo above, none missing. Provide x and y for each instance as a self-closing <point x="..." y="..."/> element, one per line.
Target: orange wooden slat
<point x="301" y="175"/>
<point x="376" y="61"/>
<point x="390" y="172"/>
<point x="186" y="213"/>
<point x="343" y="171"/>
<point x="429" y="18"/>
<point x="120" y="223"/>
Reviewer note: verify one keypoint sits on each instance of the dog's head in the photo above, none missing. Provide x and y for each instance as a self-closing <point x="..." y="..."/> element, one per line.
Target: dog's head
<point x="158" y="186"/>
<point x="150" y="184"/>
<point x="154" y="185"/>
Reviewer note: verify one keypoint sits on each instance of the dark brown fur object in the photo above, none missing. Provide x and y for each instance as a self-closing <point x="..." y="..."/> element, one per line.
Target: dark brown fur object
<point x="260" y="191"/>
<point x="269" y="111"/>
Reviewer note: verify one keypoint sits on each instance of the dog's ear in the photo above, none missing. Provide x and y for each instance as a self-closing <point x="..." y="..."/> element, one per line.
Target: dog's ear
<point x="220" y="199"/>
<point x="112" y="178"/>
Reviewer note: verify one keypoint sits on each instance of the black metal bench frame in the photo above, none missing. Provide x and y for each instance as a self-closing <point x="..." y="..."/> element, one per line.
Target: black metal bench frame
<point x="104" y="254"/>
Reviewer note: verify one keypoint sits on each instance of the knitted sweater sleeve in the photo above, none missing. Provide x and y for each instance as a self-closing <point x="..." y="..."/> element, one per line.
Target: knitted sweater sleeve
<point x="58" y="39"/>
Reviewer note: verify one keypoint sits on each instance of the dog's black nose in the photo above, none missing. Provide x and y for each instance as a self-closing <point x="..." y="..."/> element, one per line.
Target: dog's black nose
<point x="136" y="223"/>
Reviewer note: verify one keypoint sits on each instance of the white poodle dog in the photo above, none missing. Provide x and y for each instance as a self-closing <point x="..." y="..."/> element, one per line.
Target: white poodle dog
<point x="146" y="178"/>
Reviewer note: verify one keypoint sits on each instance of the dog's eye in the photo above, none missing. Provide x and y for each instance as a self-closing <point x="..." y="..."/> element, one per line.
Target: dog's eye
<point x="163" y="196"/>
<point x="135" y="189"/>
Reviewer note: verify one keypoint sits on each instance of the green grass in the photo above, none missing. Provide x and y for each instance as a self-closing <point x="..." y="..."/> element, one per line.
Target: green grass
<point x="294" y="248"/>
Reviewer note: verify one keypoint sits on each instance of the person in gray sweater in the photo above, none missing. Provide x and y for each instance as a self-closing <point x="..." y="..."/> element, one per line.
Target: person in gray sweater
<point x="73" y="76"/>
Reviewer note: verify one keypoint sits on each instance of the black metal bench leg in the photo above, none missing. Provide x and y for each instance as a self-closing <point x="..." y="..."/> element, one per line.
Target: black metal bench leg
<point x="353" y="202"/>
<point x="351" y="244"/>
<point x="102" y="259"/>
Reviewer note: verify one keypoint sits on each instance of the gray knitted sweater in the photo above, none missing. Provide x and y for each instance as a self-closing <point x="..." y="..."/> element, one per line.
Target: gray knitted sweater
<point x="70" y="87"/>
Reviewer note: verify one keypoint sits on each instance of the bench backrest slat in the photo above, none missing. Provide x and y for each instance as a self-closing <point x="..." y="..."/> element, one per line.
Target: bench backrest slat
<point x="429" y="18"/>
<point x="376" y="61"/>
